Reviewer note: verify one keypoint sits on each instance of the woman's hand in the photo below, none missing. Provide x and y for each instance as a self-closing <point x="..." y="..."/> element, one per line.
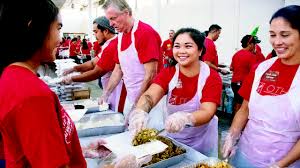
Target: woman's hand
<point x="176" y="122"/>
<point x="138" y="120"/>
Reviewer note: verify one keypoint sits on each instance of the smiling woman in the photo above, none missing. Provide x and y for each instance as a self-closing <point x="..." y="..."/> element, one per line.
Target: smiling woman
<point x="31" y="117"/>
<point x="268" y="119"/>
<point x="193" y="93"/>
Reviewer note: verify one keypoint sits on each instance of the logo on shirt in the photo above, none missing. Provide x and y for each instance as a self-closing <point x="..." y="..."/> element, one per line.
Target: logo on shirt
<point x="68" y="127"/>
<point x="270" y="89"/>
<point x="271" y="76"/>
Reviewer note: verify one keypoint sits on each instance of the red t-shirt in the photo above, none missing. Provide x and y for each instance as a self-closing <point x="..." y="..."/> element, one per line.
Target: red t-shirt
<point x="211" y="92"/>
<point x="167" y="48"/>
<point x="1" y="148"/>
<point x="278" y="85"/>
<point x="241" y="64"/>
<point x="147" y="43"/>
<point x="211" y="54"/>
<point x="73" y="49"/>
<point x="36" y="130"/>
<point x="106" y="61"/>
<point x="85" y="51"/>
<point x="96" y="48"/>
<point x="259" y="55"/>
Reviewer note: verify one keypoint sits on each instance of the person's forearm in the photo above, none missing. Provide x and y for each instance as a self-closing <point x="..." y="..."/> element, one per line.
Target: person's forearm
<point x="212" y="65"/>
<point x="240" y="119"/>
<point x="205" y="113"/>
<point x="150" y="72"/>
<point x="114" y="80"/>
<point x="292" y="156"/>
<point x="84" y="67"/>
<point x="150" y="98"/>
<point x="146" y="83"/>
<point x="89" y="75"/>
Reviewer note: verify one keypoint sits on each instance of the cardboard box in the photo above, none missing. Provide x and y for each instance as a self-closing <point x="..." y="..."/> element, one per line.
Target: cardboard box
<point x="83" y="93"/>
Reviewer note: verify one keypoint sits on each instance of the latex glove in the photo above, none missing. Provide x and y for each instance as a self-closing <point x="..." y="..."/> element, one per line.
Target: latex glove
<point x="103" y="98"/>
<point x="67" y="80"/>
<point x="274" y="166"/>
<point x="131" y="161"/>
<point x="68" y="71"/>
<point x="138" y="120"/>
<point x="176" y="122"/>
<point x="229" y="147"/>
<point x="96" y="150"/>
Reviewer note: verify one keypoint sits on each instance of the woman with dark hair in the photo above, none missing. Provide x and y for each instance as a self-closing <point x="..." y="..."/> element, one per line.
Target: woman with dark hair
<point x="268" y="122"/>
<point x="241" y="63"/>
<point x="35" y="129"/>
<point x="193" y="92"/>
<point x="85" y="48"/>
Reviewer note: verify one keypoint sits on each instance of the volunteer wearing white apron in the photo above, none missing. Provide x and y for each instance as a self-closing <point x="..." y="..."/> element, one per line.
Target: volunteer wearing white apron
<point x="138" y="53"/>
<point x="134" y="73"/>
<point x="114" y="98"/>
<point x="189" y="86"/>
<point x="205" y="137"/>
<point x="272" y="119"/>
<point x="270" y="113"/>
<point x="103" y="64"/>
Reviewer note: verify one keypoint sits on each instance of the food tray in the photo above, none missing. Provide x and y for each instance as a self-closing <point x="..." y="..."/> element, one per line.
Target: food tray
<point x="168" y="162"/>
<point x="100" y="123"/>
<point x="171" y="161"/>
<point x="212" y="163"/>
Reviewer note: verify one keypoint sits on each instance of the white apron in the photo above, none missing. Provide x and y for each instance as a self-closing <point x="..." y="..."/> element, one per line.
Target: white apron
<point x="114" y="97"/>
<point x="273" y="127"/>
<point x="202" y="138"/>
<point x="133" y="76"/>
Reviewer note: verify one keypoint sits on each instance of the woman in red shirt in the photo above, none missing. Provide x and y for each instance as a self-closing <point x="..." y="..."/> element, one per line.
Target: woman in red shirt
<point x="266" y="129"/>
<point x="193" y="92"/>
<point x="35" y="129"/>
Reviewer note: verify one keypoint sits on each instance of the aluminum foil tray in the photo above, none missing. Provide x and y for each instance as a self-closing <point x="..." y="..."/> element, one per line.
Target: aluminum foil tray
<point x="100" y="123"/>
<point x="169" y="162"/>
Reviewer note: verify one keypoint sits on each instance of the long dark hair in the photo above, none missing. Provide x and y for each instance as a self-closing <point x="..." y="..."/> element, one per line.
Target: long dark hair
<point x="28" y="21"/>
<point x="196" y="35"/>
<point x="84" y="44"/>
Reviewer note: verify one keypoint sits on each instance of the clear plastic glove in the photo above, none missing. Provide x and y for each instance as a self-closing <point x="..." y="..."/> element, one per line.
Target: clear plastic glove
<point x="229" y="147"/>
<point x="138" y="120"/>
<point x="103" y="98"/>
<point x="176" y="122"/>
<point x="96" y="150"/>
<point x="130" y="161"/>
<point x="67" y="80"/>
<point x="274" y="166"/>
<point x="68" y="71"/>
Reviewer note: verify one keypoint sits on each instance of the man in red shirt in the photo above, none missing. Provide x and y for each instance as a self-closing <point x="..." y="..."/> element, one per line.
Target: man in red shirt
<point x="103" y="65"/>
<point x="259" y="56"/>
<point x="211" y="56"/>
<point x="139" y="49"/>
<point x="241" y="63"/>
<point x="167" y="49"/>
